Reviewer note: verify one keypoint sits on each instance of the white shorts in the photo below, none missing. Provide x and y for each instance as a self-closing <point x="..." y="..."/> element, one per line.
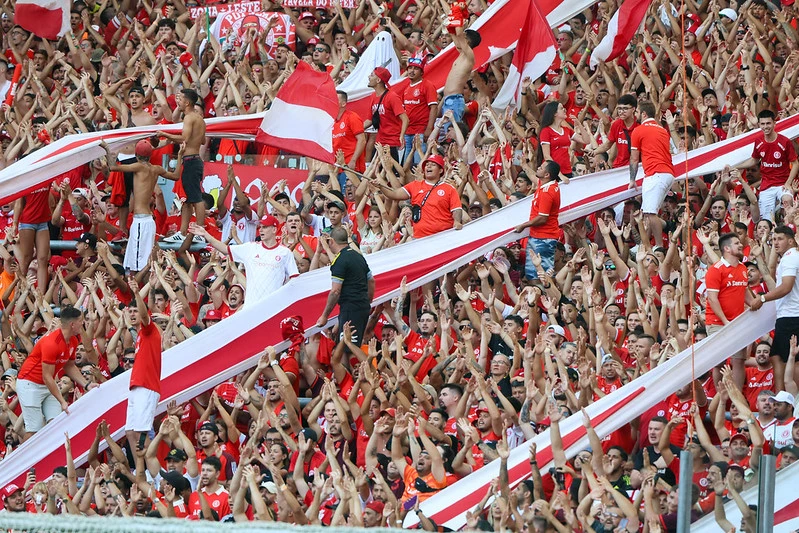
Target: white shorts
<point x="769" y="199"/>
<point x="141" y="409"/>
<point x="654" y="191"/>
<point x="38" y="405"/>
<point x="140" y="243"/>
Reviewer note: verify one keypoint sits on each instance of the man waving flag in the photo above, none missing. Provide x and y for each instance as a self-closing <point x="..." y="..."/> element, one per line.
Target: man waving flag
<point x="621" y="29"/>
<point x="534" y="53"/>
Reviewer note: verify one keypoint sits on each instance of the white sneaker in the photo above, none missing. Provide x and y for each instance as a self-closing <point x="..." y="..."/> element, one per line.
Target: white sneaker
<point x="199" y="238"/>
<point x="176" y="237"/>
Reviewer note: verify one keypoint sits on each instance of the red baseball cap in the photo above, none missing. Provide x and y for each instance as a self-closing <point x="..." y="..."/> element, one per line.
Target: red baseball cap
<point x="9" y="489"/>
<point x="213" y="314"/>
<point x="437" y="159"/>
<point x="376" y="507"/>
<point x="269" y="220"/>
<point x="390" y="412"/>
<point x="306" y="15"/>
<point x="383" y="74"/>
<point x="144" y="148"/>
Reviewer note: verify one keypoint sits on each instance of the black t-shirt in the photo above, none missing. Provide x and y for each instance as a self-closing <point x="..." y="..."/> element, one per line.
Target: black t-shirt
<point x="351" y="269"/>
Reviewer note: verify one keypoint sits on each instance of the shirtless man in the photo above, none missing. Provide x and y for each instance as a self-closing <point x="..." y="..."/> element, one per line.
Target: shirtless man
<point x="145" y="175"/>
<point x="465" y="41"/>
<point x="136" y="116"/>
<point x="191" y="179"/>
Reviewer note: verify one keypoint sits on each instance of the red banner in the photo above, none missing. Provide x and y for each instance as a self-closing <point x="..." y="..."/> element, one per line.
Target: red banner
<point x="251" y="178"/>
<point x="324" y="4"/>
<point x="221" y="9"/>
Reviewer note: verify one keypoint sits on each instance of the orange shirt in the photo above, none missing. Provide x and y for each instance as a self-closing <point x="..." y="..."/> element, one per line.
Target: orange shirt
<point x="653" y="143"/>
<point x="52" y="349"/>
<point x="546" y="201"/>
<point x="437" y="210"/>
<point x="731" y="283"/>
<point x="345" y="132"/>
<point x="410" y="475"/>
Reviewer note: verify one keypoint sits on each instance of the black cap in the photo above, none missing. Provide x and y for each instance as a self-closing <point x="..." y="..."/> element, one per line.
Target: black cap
<point x="176" y="454"/>
<point x="90" y="239"/>
<point x="310" y="434"/>
<point x="210" y="426"/>
<point x="137" y="89"/>
<point x="176" y="479"/>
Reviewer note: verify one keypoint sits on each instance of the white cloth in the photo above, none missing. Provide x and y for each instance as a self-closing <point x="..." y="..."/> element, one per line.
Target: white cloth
<point x="141" y="409"/>
<point x="267" y="268"/>
<point x="379" y="53"/>
<point x="318" y="224"/>
<point x="246" y="228"/>
<point x="767" y="201"/>
<point x="140" y="243"/>
<point x="788" y="305"/>
<point x="654" y="191"/>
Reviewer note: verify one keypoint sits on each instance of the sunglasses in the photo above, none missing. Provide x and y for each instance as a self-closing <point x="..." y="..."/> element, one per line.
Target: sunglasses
<point x="610" y="267"/>
<point x="127" y="360"/>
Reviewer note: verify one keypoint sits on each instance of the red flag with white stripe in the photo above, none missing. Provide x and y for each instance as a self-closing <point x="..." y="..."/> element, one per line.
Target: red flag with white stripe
<point x="300" y="119"/>
<point x="48" y="19"/>
<point x="621" y="29"/>
<point x="534" y="53"/>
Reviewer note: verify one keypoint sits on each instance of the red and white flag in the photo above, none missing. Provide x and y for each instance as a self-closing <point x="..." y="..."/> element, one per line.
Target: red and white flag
<point x="48" y="19"/>
<point x="534" y="53"/>
<point x="621" y="29"/>
<point x="301" y="117"/>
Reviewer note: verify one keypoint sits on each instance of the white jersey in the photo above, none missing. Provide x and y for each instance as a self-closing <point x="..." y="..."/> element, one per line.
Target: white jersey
<point x="246" y="229"/>
<point x="267" y="268"/>
<point x="788" y="305"/>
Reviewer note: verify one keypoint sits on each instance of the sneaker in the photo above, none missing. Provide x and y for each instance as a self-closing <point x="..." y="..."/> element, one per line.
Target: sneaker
<point x="175" y="238"/>
<point x="199" y="238"/>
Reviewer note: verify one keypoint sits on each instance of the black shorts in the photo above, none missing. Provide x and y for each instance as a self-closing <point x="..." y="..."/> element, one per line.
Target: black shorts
<point x="784" y="328"/>
<point x="357" y="316"/>
<point x="192" y="178"/>
<point x="128" y="176"/>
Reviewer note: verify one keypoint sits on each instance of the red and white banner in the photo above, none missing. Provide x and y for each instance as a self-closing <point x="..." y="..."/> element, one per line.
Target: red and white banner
<point x="221" y="9"/>
<point x="251" y="177"/>
<point x="302" y="114"/>
<point x="535" y="52"/>
<point x="321" y="4"/>
<point x="499" y="26"/>
<point x="621" y="29"/>
<point x="48" y="19"/>
<point x="448" y="508"/>
<point x="234" y="25"/>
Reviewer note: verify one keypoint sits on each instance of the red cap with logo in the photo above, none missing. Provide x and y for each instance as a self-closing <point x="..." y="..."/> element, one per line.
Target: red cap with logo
<point x="269" y="220"/>
<point x="9" y="489"/>
<point x="435" y="158"/>
<point x="383" y="74"/>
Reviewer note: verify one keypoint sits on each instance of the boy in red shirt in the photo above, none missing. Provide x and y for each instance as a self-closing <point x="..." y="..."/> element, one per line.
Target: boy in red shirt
<point x="545" y="230"/>
<point x="145" y="379"/>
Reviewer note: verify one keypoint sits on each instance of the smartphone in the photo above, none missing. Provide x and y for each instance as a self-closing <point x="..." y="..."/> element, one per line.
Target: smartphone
<point x="410" y="503"/>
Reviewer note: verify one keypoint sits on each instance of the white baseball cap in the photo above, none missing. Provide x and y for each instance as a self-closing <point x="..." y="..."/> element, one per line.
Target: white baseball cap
<point x="783" y="397"/>
<point x="729" y="13"/>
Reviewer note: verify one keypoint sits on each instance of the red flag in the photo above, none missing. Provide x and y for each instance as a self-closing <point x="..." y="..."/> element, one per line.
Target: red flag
<point x="48" y="19"/>
<point x="300" y="119"/>
<point x="534" y="53"/>
<point x="621" y="29"/>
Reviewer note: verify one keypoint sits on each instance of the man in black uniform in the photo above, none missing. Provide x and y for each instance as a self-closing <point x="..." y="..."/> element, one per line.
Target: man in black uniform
<point x="353" y="286"/>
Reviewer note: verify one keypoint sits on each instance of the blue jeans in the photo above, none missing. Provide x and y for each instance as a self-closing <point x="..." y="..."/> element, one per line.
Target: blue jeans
<point x="457" y="105"/>
<point x="545" y="248"/>
<point x="409" y="149"/>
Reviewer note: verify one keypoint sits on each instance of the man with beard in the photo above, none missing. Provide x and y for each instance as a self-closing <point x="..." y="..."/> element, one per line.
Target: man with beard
<point x="208" y="442"/>
<point x="653" y="431"/>
<point x="240" y="213"/>
<point x="781" y="433"/>
<point x="217" y="499"/>
<point x="427" y="475"/>
<point x="727" y="284"/>
<point x="13" y="499"/>
<point x="761" y="377"/>
<point x="449" y="399"/>
<point x="303" y="246"/>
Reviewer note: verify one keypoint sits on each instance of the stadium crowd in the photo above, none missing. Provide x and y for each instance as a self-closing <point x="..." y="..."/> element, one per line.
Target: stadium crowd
<point x="359" y="424"/>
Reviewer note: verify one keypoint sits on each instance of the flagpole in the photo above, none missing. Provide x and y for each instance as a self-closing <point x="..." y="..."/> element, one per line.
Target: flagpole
<point x="345" y="168"/>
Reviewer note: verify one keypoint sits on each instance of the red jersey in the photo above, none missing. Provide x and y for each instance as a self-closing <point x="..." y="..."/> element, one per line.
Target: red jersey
<point x="678" y="407"/>
<point x="774" y="160"/>
<point x="417" y="99"/>
<point x="147" y="365"/>
<point x="390" y="109"/>
<point x="345" y="132"/>
<point x="559" y="143"/>
<point x="756" y="381"/>
<point x="219" y="501"/>
<point x="37" y="206"/>
<point x="438" y="208"/>
<point x="52" y="349"/>
<point x="546" y="201"/>
<point x="731" y="283"/>
<point x="622" y="136"/>
<point x="653" y="144"/>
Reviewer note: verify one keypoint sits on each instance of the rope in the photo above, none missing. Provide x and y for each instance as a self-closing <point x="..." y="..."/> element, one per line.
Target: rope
<point x="690" y="252"/>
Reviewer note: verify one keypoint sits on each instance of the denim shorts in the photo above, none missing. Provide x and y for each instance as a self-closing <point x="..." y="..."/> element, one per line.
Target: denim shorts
<point x="545" y="248"/>
<point x="41" y="226"/>
<point x="456" y="104"/>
